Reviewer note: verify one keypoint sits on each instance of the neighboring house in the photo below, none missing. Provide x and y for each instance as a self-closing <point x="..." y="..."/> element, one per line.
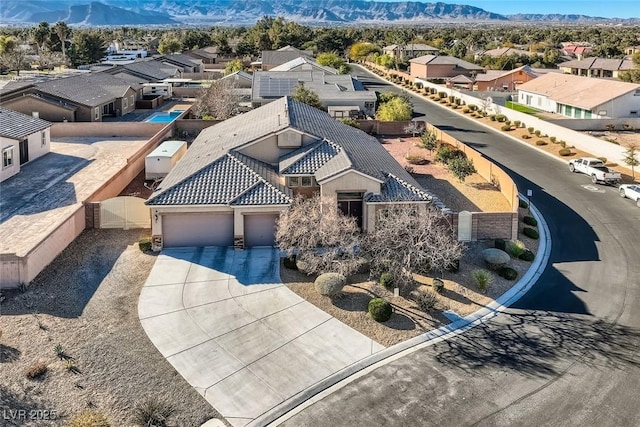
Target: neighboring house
<point x="341" y="94"/>
<point x="273" y="58"/>
<point x="304" y="63"/>
<point x="81" y="98"/>
<point x="461" y="82"/>
<point x="504" y="80"/>
<point x="22" y="139"/>
<point x="440" y="67"/>
<point x="506" y="51"/>
<point x="409" y="51"/>
<point x="240" y="78"/>
<point x="581" y="97"/>
<point x="208" y="55"/>
<point x="596" y="67"/>
<point x="147" y="71"/>
<point x="575" y="50"/>
<point x="238" y="175"/>
<point x="631" y="50"/>
<point x="186" y="63"/>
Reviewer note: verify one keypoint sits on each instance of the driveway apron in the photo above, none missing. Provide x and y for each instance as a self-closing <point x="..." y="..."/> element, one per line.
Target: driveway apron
<point x="228" y="325"/>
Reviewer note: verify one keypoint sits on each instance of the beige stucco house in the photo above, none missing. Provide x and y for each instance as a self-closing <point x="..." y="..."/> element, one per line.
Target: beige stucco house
<point x="431" y="67"/>
<point x="238" y="175"/>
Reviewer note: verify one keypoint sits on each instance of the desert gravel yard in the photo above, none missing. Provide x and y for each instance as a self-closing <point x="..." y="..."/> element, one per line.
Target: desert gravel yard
<point x="86" y="301"/>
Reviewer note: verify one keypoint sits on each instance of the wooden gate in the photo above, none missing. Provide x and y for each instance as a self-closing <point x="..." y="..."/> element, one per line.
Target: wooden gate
<point x="124" y="212"/>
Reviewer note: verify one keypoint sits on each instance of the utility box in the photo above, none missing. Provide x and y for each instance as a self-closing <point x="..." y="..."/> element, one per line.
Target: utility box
<point x="161" y="160"/>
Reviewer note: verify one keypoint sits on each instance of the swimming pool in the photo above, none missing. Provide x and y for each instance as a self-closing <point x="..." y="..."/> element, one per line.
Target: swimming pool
<point x="164" y="117"/>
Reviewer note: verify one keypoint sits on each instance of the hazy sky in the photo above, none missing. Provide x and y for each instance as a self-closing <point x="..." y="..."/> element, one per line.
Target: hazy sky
<point x="604" y="8"/>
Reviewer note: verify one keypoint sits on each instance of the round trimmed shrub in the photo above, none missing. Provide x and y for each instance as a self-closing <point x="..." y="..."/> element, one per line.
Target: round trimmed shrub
<point x="553" y="139"/>
<point x="527" y="256"/>
<point x="529" y="220"/>
<point x="505" y="128"/>
<point x="386" y="280"/>
<point x="290" y="262"/>
<point x="330" y="284"/>
<point x="523" y="204"/>
<point x="508" y="273"/>
<point x="379" y="309"/>
<point x="500" y="244"/>
<point x="530" y="129"/>
<point x="492" y="117"/>
<point x="438" y="285"/>
<point x="495" y="258"/>
<point x="532" y="233"/>
<point x="541" y="142"/>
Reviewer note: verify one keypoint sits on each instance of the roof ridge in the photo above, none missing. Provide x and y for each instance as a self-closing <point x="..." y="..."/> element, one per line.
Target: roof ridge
<point x="260" y="178"/>
<point x="410" y="186"/>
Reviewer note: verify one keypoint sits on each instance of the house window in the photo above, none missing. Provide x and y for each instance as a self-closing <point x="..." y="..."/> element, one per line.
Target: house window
<point x="125" y="103"/>
<point x="97" y="113"/>
<point x="293" y="181"/>
<point x="7" y="157"/>
<point x="131" y="101"/>
<point x="306" y="181"/>
<point x="43" y="138"/>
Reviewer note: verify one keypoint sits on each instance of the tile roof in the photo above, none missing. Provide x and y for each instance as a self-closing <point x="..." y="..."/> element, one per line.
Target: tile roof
<point x="397" y="189"/>
<point x="577" y="91"/>
<point x="490" y="75"/>
<point x="15" y="125"/>
<point x="232" y="179"/>
<point x="506" y="51"/>
<point x="181" y="58"/>
<point x="151" y="70"/>
<point x="304" y="61"/>
<point x="445" y="60"/>
<point x="277" y="57"/>
<point x="308" y="159"/>
<point x="92" y="89"/>
<point x="411" y="47"/>
<point x="599" y="64"/>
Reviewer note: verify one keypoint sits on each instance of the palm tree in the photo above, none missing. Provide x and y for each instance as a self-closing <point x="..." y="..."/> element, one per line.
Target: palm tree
<point x="62" y="31"/>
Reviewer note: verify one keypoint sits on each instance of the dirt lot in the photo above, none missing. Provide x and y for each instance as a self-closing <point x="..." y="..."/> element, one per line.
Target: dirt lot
<point x="474" y="195"/>
<point x="461" y="295"/>
<point x="86" y="301"/>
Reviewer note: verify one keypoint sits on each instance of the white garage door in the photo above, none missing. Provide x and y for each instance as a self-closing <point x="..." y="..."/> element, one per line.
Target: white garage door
<point x="197" y="230"/>
<point x="260" y="230"/>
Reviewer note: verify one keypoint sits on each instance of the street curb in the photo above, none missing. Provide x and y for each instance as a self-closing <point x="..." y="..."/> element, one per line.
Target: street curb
<point x="323" y="388"/>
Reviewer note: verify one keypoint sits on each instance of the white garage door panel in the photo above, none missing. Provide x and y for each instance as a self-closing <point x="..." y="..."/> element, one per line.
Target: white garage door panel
<point x="197" y="230"/>
<point x="260" y="230"/>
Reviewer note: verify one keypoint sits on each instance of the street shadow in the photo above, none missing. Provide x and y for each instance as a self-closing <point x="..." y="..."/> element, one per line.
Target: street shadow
<point x="453" y="130"/>
<point x="16" y="407"/>
<point x="531" y="341"/>
<point x="74" y="276"/>
<point x="8" y="354"/>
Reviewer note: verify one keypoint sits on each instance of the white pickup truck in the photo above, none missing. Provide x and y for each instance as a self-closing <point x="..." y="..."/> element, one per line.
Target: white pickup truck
<point x="596" y="169"/>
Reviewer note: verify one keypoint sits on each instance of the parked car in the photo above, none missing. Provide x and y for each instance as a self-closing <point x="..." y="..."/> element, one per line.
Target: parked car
<point x="631" y="191"/>
<point x="596" y="169"/>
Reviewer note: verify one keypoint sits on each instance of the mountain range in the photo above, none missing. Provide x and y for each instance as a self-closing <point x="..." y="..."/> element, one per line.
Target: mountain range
<point x="247" y="12"/>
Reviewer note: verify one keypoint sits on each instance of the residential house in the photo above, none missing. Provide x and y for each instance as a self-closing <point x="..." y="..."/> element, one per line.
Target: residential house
<point x="431" y="67"/>
<point x="575" y="50"/>
<point x="240" y="78"/>
<point x="596" y="67"/>
<point x="80" y="98"/>
<point x="506" y="51"/>
<point x="273" y="58"/>
<point x="581" y="97"/>
<point x="146" y="71"/>
<point x="631" y="50"/>
<point x="238" y="175"/>
<point x="409" y="51"/>
<point x="503" y="80"/>
<point x="186" y="63"/>
<point x="304" y="63"/>
<point x="22" y="139"/>
<point x="341" y="94"/>
<point x="208" y="55"/>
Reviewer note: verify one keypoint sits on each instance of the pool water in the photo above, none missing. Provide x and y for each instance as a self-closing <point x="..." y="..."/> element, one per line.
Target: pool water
<point x="164" y="117"/>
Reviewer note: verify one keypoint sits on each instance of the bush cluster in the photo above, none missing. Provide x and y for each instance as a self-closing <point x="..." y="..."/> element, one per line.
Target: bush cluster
<point x="508" y="273"/>
<point x="426" y="300"/>
<point x="380" y="310"/>
<point x="153" y="412"/>
<point x="505" y="128"/>
<point x="532" y="233"/>
<point x="515" y="248"/>
<point x="386" y="280"/>
<point x="564" y="152"/>
<point x="523" y="204"/>
<point x="501" y="117"/>
<point x="500" y="244"/>
<point x="529" y="220"/>
<point x="527" y="256"/>
<point x="530" y="129"/>
<point x="145" y="244"/>
<point x="445" y="153"/>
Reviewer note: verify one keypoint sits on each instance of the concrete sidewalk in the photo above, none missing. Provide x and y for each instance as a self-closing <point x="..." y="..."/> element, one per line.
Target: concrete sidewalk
<point x="239" y="336"/>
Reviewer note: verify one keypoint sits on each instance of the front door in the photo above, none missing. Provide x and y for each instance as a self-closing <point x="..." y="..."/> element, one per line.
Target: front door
<point x="24" y="151"/>
<point x="351" y="204"/>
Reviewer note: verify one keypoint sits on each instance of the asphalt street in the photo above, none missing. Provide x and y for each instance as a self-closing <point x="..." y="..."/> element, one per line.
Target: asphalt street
<point x="566" y="354"/>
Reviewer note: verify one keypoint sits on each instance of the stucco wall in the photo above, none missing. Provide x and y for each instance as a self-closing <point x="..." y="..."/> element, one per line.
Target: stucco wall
<point x="46" y="110"/>
<point x="350" y="181"/>
<point x="105" y="130"/>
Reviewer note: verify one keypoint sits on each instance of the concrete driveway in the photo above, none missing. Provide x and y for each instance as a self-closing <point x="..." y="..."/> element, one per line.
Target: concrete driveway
<point x="247" y="343"/>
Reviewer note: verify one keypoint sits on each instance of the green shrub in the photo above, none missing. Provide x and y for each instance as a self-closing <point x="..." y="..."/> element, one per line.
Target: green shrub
<point x="426" y="300"/>
<point x="437" y="286"/>
<point x="564" y="152"/>
<point x="89" y="419"/>
<point x="144" y="244"/>
<point x="330" y="284"/>
<point x="501" y="117"/>
<point x="36" y="370"/>
<point x="523" y="204"/>
<point x="507" y="122"/>
<point x="386" y="280"/>
<point x="153" y="412"/>
<point x="380" y="310"/>
<point x="505" y="128"/>
<point x="515" y="248"/>
<point x="492" y="117"/>
<point x="442" y="95"/>
<point x="508" y="273"/>
<point x="500" y="244"/>
<point x="527" y="256"/>
<point x="290" y="262"/>
<point x="517" y="123"/>
<point x="532" y="233"/>
<point x="537" y="132"/>
<point x="541" y="142"/>
<point x="552" y="139"/>
<point x="529" y="220"/>
<point x="483" y="279"/>
<point x="446" y="153"/>
<point x="415" y="159"/>
<point x="530" y="129"/>
<point x="59" y="351"/>
<point x="563" y="144"/>
<point x="473" y="107"/>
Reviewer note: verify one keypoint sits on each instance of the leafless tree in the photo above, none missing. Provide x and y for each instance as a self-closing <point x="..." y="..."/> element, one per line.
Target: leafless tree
<point x="409" y="239"/>
<point x="414" y="128"/>
<point x="219" y="101"/>
<point x="319" y="235"/>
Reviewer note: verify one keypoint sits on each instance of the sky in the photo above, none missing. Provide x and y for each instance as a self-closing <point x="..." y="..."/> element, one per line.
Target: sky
<point x="602" y="8"/>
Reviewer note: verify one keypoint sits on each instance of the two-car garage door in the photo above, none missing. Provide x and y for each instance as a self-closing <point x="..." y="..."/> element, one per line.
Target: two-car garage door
<point x="216" y="229"/>
<point x="197" y="229"/>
